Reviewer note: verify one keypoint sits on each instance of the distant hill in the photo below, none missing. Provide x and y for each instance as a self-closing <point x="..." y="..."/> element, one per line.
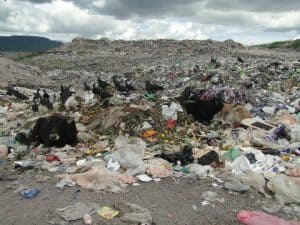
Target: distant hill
<point x="295" y="44"/>
<point x="26" y="44"/>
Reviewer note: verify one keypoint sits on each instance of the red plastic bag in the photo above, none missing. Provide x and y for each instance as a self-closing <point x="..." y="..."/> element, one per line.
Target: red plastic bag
<point x="52" y="158"/>
<point x="261" y="218"/>
<point x="170" y="124"/>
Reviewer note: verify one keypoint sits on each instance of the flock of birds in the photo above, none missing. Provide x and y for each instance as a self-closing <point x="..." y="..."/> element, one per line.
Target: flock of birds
<point x="99" y="89"/>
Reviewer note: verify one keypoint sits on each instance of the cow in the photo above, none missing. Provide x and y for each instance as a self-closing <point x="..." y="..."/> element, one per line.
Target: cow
<point x="201" y="110"/>
<point x="55" y="130"/>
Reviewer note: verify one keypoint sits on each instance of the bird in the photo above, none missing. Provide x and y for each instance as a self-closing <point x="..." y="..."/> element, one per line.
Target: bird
<point x="152" y="88"/>
<point x="240" y="59"/>
<point x="102" y="83"/>
<point x="37" y="95"/>
<point x="118" y="85"/>
<point x="34" y="106"/>
<point x="213" y="60"/>
<point x="95" y="90"/>
<point x="86" y="87"/>
<point x="104" y="94"/>
<point x="45" y="95"/>
<point x="129" y="86"/>
<point x="49" y="105"/>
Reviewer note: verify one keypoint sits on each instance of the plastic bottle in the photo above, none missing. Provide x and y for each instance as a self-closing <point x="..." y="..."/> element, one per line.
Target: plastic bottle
<point x="30" y="193"/>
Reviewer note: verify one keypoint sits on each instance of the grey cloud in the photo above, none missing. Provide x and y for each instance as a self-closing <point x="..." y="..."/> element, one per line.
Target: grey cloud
<point x="125" y="9"/>
<point x="254" y="5"/>
<point x="146" y="8"/>
<point x="38" y="1"/>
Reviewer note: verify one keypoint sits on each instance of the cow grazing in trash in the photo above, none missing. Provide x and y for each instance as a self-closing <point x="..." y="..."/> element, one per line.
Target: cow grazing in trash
<point x="201" y="110"/>
<point x="55" y="130"/>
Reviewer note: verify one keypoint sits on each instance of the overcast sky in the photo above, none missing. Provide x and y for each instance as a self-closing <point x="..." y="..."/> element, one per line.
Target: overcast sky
<point x="246" y="21"/>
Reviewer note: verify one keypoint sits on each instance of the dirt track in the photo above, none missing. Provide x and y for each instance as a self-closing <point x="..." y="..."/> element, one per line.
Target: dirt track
<point x="169" y="201"/>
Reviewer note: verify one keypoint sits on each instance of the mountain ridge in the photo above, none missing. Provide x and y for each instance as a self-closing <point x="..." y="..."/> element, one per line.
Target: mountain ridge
<point x="19" y="43"/>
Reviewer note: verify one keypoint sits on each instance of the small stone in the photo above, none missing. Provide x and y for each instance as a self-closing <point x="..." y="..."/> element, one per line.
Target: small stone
<point x="87" y="219"/>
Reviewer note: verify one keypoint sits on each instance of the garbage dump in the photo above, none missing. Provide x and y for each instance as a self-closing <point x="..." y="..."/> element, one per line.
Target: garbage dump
<point x="189" y="121"/>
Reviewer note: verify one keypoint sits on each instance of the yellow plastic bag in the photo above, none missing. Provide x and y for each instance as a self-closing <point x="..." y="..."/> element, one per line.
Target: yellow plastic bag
<point x="107" y="212"/>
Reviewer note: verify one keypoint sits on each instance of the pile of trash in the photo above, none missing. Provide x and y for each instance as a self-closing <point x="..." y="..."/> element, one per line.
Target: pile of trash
<point x="242" y="119"/>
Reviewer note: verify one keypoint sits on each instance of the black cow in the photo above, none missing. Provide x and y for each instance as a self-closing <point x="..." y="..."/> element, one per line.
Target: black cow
<point x="202" y="110"/>
<point x="17" y="94"/>
<point x="55" y="130"/>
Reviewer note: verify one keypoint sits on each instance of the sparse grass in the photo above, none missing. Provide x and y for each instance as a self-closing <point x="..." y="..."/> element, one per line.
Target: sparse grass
<point x="283" y="44"/>
<point x="277" y="44"/>
<point x="28" y="56"/>
<point x="295" y="44"/>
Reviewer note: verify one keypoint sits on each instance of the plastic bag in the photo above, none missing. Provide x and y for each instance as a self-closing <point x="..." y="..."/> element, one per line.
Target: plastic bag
<point x="261" y="218"/>
<point x="129" y="153"/>
<point x="107" y="212"/>
<point x="76" y="211"/>
<point x="199" y="170"/>
<point x="170" y="112"/>
<point x="255" y="180"/>
<point x="98" y="178"/>
<point x="136" y="214"/>
<point x="135" y="144"/>
<point x="285" y="188"/>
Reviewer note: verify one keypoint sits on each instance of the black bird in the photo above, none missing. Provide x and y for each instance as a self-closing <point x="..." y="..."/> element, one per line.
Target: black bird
<point x="104" y="94"/>
<point x="49" y="105"/>
<point x="118" y="85"/>
<point x="129" y="86"/>
<point x="240" y="59"/>
<point x="45" y="95"/>
<point x="95" y="90"/>
<point x="213" y="60"/>
<point x="86" y="87"/>
<point x="65" y="93"/>
<point x="152" y="88"/>
<point x="101" y="83"/>
<point x="34" y="106"/>
<point x="37" y="95"/>
<point x="16" y="93"/>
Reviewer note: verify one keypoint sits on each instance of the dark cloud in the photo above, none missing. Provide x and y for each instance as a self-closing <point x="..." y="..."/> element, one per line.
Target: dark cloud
<point x="125" y="9"/>
<point x="38" y="1"/>
<point x="254" y="5"/>
<point x="152" y="8"/>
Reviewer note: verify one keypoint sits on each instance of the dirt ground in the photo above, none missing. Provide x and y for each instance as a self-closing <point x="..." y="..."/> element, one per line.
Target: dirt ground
<point x="170" y="201"/>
